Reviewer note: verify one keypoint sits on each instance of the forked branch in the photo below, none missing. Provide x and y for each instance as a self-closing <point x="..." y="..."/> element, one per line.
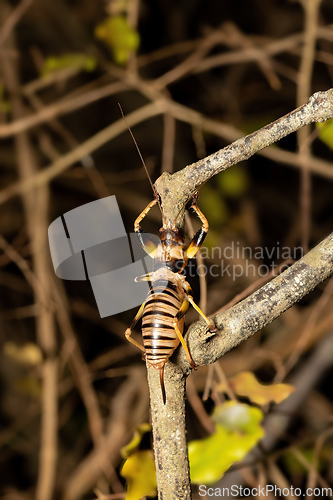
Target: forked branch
<point x="242" y="320"/>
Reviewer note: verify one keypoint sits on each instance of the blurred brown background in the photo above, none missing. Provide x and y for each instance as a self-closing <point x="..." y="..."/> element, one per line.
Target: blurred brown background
<point x="72" y="389"/>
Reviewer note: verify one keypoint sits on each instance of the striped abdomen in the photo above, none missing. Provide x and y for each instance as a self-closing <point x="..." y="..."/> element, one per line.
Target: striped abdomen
<point x="162" y="305"/>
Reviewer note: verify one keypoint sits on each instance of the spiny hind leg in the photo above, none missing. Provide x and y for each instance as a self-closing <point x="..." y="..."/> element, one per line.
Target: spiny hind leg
<point x="209" y="322"/>
<point x="188" y="290"/>
<point x="191" y="251"/>
<point x="143" y="214"/>
<point x="200" y="235"/>
<point x="147" y="243"/>
<point x="128" y="332"/>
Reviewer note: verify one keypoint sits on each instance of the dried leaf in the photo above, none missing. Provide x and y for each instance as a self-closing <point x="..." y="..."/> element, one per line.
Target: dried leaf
<point x="246" y="384"/>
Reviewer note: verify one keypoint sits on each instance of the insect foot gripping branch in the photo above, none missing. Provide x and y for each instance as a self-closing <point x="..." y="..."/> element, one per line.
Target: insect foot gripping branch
<point x="170" y="294"/>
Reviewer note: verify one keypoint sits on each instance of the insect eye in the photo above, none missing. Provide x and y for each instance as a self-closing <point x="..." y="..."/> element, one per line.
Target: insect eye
<point x="178" y="264"/>
<point x="188" y="204"/>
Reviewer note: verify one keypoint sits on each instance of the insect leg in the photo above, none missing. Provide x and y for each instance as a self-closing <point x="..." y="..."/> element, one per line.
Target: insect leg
<point x="178" y="317"/>
<point x="182" y="340"/>
<point x="146" y="242"/>
<point x="190" y="252"/>
<point x="128" y="332"/>
<point x="144" y="277"/>
<point x="188" y="290"/>
<point x="199" y="236"/>
<point x="143" y="214"/>
<point x="202" y="314"/>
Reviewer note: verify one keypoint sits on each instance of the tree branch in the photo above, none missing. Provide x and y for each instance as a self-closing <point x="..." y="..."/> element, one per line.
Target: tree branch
<point x="175" y="190"/>
<point x="169" y="433"/>
<point x="263" y="306"/>
<point x="242" y="320"/>
<point x="234" y="326"/>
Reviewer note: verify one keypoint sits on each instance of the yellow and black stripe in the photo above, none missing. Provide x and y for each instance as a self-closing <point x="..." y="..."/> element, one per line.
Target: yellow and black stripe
<point x="163" y="311"/>
<point x="161" y="308"/>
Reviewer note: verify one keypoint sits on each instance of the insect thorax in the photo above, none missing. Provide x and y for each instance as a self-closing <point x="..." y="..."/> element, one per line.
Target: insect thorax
<point x="170" y="251"/>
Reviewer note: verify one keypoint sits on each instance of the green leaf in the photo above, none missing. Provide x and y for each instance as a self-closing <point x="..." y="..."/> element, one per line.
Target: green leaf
<point x="295" y="466"/>
<point x="140" y="475"/>
<point x="213" y="206"/>
<point x="238" y="430"/>
<point x="120" y="38"/>
<point x="75" y="61"/>
<point x="233" y="182"/>
<point x="326" y="132"/>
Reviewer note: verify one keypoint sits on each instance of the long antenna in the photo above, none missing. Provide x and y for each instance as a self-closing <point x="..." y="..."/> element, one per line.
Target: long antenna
<point x="141" y="157"/>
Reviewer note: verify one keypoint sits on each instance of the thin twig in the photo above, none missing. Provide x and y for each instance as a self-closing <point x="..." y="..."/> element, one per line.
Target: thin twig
<point x="64" y="106"/>
<point x="82" y="150"/>
<point x="309" y="326"/>
<point x="13" y="18"/>
<point x="35" y="204"/>
<point x="185" y="183"/>
<point x="168" y="149"/>
<point x="240" y="296"/>
<point x="311" y="8"/>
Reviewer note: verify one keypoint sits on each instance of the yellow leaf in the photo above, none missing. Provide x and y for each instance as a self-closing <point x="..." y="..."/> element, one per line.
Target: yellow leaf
<point x="75" y="61"/>
<point x="134" y="444"/>
<point x="26" y="354"/>
<point x="140" y="475"/>
<point x="239" y="417"/>
<point x="246" y="384"/>
<point x="238" y="430"/>
<point x="120" y="38"/>
<point x="326" y="132"/>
